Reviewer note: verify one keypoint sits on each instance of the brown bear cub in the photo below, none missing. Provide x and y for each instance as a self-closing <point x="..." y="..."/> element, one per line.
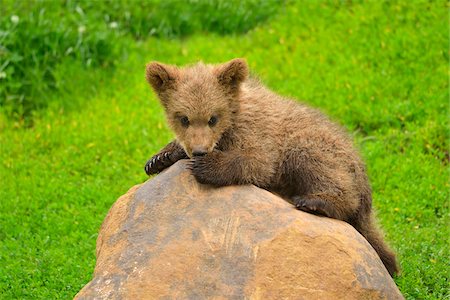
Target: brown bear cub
<point x="236" y="131"/>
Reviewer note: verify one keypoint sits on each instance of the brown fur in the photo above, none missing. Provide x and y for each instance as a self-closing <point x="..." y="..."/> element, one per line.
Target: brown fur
<point x="263" y="139"/>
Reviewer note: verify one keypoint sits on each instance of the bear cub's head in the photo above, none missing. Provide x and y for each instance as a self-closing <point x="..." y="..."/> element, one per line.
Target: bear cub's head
<point x="200" y="101"/>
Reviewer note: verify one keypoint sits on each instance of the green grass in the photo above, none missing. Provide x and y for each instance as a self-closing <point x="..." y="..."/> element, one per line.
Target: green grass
<point x="379" y="68"/>
<point x="36" y="37"/>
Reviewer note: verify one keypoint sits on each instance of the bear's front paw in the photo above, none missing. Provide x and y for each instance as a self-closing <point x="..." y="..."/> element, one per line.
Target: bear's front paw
<point x="163" y="160"/>
<point x="207" y="169"/>
<point x="157" y="163"/>
<point x="201" y="170"/>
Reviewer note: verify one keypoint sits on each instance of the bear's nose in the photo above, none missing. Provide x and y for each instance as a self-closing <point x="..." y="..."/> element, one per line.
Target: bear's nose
<point x="199" y="152"/>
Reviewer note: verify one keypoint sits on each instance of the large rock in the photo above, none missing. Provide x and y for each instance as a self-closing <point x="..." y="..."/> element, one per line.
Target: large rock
<point x="173" y="238"/>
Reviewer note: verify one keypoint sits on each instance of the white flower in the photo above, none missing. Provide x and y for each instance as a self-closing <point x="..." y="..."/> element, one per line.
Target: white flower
<point x="113" y="25"/>
<point x="14" y="19"/>
<point x="81" y="29"/>
<point x="2" y="75"/>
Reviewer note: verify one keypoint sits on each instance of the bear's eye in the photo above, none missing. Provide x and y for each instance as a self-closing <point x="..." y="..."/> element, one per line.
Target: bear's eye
<point x="212" y="121"/>
<point x="184" y="121"/>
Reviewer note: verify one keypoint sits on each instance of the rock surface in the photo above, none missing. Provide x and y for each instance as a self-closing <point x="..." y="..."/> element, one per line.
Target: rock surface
<point x="173" y="238"/>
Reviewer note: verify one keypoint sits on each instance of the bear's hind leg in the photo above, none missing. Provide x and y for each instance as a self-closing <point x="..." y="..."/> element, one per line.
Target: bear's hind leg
<point x="314" y="206"/>
<point x="322" y="204"/>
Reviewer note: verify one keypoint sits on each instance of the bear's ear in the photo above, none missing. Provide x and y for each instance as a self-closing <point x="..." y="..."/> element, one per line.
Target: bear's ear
<point x="161" y="77"/>
<point x="232" y="73"/>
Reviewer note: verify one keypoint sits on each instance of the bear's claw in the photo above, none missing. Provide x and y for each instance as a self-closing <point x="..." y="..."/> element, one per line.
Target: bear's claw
<point x="163" y="160"/>
<point x="157" y="163"/>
